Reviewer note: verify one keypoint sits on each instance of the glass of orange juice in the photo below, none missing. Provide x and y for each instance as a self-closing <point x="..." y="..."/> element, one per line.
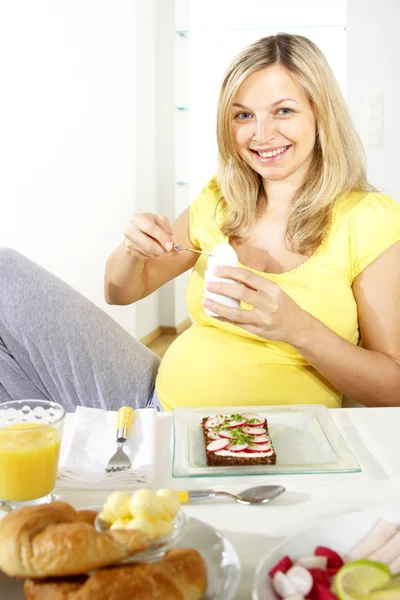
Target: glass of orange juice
<point x="30" y="436"/>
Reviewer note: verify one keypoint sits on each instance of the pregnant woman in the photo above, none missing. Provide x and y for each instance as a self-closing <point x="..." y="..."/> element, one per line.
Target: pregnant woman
<point x="318" y="267"/>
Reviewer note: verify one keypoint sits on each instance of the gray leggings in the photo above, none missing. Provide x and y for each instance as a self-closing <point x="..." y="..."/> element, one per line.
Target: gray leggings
<point x="56" y="345"/>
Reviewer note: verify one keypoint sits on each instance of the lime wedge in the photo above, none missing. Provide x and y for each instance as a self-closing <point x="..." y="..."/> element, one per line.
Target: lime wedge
<point x="357" y="579"/>
<point x="391" y="591"/>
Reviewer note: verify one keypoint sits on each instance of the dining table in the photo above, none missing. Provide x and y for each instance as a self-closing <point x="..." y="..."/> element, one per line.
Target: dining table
<point x="373" y="437"/>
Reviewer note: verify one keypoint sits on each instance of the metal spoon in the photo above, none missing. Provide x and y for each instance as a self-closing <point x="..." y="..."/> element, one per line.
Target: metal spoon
<point x="179" y="247"/>
<point x="255" y="495"/>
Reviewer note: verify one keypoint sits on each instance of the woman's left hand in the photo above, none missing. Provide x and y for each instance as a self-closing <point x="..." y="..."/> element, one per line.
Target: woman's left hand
<point x="274" y="316"/>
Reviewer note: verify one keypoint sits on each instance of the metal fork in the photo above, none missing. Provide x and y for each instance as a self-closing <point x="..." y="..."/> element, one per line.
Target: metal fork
<point x="120" y="461"/>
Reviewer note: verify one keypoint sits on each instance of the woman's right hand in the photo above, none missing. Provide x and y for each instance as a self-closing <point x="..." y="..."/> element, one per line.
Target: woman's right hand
<point x="149" y="236"/>
<point x="131" y="274"/>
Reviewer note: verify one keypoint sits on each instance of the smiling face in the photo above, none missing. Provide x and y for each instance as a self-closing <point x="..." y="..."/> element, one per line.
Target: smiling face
<point x="273" y="125"/>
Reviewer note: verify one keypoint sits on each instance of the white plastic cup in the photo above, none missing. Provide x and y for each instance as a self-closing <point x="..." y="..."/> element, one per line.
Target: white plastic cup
<point x="225" y="300"/>
<point x="222" y="255"/>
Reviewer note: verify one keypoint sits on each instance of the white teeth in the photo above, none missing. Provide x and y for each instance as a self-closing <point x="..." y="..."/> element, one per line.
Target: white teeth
<point x="272" y="152"/>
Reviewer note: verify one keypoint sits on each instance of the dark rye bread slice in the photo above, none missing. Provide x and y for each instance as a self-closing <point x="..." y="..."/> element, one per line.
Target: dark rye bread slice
<point x="213" y="460"/>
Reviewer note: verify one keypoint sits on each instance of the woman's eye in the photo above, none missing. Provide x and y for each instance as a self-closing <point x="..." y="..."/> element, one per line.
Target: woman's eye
<point x="243" y="115"/>
<point x="285" y="111"/>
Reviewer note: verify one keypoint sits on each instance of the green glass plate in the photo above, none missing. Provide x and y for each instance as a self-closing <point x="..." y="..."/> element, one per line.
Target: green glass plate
<point x="305" y="439"/>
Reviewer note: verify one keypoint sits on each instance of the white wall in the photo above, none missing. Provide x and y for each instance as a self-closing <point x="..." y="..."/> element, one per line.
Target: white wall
<point x="146" y="199"/>
<point x="155" y="146"/>
<point x="67" y="123"/>
<point x="169" y="294"/>
<point x="373" y="67"/>
<point x="87" y="111"/>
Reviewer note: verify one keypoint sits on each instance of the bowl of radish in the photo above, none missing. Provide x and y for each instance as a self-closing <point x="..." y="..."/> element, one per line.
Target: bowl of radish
<point x="312" y="564"/>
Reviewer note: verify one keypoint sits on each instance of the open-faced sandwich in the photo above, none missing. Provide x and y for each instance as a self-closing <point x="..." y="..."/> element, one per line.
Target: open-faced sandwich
<point x="237" y="440"/>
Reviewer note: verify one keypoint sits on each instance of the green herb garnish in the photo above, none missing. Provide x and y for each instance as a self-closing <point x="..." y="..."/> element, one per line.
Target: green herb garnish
<point x="237" y="417"/>
<point x="238" y="437"/>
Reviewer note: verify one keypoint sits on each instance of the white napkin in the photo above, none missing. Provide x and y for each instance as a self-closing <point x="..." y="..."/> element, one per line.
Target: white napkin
<point x="89" y="442"/>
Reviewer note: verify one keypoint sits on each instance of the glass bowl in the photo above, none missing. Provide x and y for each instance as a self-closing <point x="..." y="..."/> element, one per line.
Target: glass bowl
<point x="158" y="546"/>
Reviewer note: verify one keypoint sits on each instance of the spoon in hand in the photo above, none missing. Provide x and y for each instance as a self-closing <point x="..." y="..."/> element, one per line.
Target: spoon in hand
<point x="179" y="247"/>
<point x="255" y="495"/>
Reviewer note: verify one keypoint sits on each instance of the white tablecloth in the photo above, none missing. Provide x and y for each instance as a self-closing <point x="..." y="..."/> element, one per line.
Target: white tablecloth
<point x="371" y="433"/>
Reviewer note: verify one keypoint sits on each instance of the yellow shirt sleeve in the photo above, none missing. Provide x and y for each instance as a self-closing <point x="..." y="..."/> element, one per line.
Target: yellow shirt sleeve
<point x="374" y="227"/>
<point x="203" y="215"/>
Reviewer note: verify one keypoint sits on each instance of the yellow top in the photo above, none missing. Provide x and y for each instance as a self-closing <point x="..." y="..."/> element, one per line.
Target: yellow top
<point x="218" y="364"/>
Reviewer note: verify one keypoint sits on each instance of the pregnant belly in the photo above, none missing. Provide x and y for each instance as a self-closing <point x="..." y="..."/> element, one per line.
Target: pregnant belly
<point x="206" y="366"/>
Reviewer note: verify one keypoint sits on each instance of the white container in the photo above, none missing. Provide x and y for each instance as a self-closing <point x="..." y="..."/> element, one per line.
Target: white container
<point x="223" y="255"/>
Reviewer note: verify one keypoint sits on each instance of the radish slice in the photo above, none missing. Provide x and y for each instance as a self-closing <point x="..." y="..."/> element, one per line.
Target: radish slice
<point x="256" y="420"/>
<point x="320" y="577"/>
<point x="323" y="593"/>
<point x="213" y="422"/>
<point x="283" y="586"/>
<point x="301" y="578"/>
<point x="296" y="597"/>
<point x="334" y="560"/>
<point x="225" y="434"/>
<point x="283" y="565"/>
<point x="213" y="435"/>
<point x="217" y="445"/>
<point x="259" y="439"/>
<point x="236" y="447"/>
<point x="313" y="562"/>
<point x="234" y="424"/>
<point x="257" y="423"/>
<point x="258" y="448"/>
<point x="254" y="430"/>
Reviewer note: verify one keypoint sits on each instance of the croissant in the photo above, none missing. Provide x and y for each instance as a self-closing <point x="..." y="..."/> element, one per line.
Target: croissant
<point x="180" y="575"/>
<point x="56" y="540"/>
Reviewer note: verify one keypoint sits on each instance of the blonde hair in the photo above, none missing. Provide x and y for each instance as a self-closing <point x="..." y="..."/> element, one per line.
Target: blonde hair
<point x="338" y="163"/>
